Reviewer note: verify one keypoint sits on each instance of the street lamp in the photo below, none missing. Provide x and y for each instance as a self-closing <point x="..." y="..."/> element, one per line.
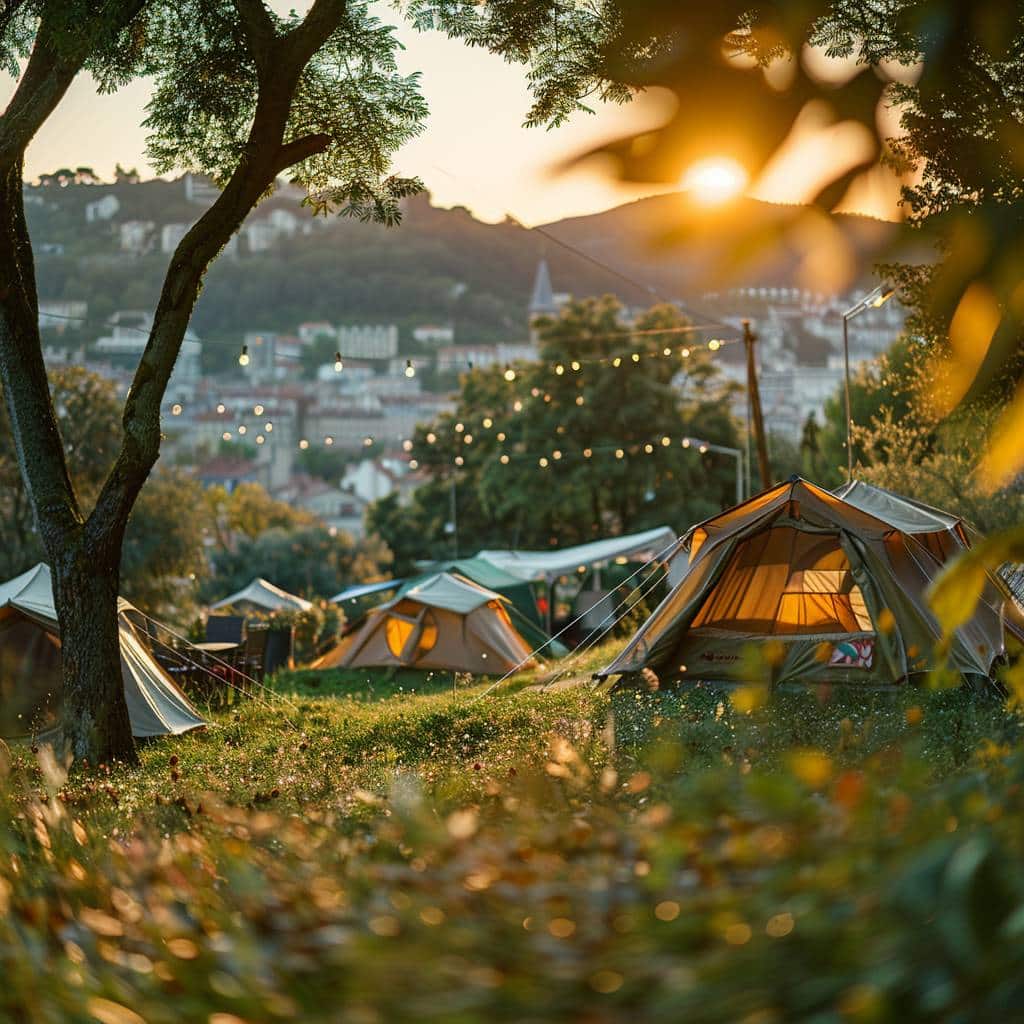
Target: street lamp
<point x="873" y="300"/>
<point x="736" y="453"/>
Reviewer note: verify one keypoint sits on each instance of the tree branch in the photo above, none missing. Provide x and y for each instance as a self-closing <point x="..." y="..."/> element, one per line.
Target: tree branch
<point x="300" y="149"/>
<point x="314" y="30"/>
<point x="258" y="30"/>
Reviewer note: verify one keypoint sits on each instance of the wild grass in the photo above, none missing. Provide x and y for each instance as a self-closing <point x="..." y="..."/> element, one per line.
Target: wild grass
<point x="374" y="849"/>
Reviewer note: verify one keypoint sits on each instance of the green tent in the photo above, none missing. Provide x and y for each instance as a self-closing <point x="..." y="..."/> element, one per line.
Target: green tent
<point x="819" y="588"/>
<point x="522" y="607"/>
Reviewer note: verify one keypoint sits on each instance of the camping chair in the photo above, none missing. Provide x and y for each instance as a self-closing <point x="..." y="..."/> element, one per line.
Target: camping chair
<point x="280" y="649"/>
<point x="225" y="629"/>
<point x="254" y="652"/>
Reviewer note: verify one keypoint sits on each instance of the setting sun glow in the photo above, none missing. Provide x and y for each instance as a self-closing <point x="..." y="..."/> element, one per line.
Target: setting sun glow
<point x="714" y="180"/>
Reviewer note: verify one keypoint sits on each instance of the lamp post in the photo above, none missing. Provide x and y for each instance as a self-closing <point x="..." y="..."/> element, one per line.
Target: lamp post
<point x="873" y="300"/>
<point x="736" y="453"/>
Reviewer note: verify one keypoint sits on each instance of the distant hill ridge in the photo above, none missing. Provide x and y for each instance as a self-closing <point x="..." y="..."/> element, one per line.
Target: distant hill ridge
<point x="439" y="266"/>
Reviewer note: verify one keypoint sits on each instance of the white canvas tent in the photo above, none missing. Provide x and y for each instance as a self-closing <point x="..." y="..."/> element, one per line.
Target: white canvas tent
<point x="265" y="596"/>
<point x="30" y="666"/>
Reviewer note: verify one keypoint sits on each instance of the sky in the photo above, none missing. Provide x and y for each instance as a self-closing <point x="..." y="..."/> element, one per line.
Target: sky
<point x="474" y="151"/>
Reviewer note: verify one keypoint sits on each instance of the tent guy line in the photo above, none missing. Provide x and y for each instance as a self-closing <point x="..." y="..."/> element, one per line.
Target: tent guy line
<point x="659" y="556"/>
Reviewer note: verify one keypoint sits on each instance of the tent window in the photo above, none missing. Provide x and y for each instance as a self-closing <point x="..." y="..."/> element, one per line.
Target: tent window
<point x="786" y="581"/>
<point x="410" y="636"/>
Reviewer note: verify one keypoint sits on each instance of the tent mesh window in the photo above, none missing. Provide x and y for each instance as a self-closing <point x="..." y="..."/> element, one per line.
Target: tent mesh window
<point x="786" y="581"/>
<point x="410" y="631"/>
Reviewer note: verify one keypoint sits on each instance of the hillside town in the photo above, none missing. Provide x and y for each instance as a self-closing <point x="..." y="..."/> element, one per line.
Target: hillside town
<point x="370" y="383"/>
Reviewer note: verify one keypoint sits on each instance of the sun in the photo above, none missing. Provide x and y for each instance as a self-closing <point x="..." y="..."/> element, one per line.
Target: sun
<point x="715" y="180"/>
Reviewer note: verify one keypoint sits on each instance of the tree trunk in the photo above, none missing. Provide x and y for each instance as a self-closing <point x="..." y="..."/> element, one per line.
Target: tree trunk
<point x="94" y="715"/>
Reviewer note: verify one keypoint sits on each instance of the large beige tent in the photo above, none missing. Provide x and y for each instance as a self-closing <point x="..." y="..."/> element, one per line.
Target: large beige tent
<point x="30" y="666"/>
<point x="824" y="589"/>
<point x="443" y="622"/>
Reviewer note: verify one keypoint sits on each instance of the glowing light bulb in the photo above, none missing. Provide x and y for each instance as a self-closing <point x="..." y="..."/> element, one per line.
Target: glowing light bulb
<point x="703" y="449"/>
<point x="666" y="351"/>
<point x="556" y="454"/>
<point x="268" y="427"/>
<point x="226" y="436"/>
<point x="504" y="460"/>
<point x="258" y="410"/>
<point x="413" y="464"/>
<point x="338" y="364"/>
<point x="410" y="370"/>
<point x="303" y="444"/>
<point x="649" y="448"/>
<point x="617" y="362"/>
<point x="517" y="405"/>
<point x="587" y="452"/>
<point x="328" y="440"/>
<point x="260" y="439"/>
<point x="459" y="428"/>
<point x="488" y="423"/>
<point x="580" y="400"/>
<point x="635" y="357"/>
<point x="576" y="365"/>
<point x="685" y="353"/>
<point x="176" y="409"/>
<point x="559" y="369"/>
<point x="714" y="345"/>
<point x="666" y="441"/>
<point x="468" y="439"/>
<point x="243" y="356"/>
<point x="619" y="453"/>
<point x="221" y="409"/>
<point x="431" y="437"/>
<point x="542" y="462"/>
<point x="243" y="429"/>
<point x="686" y="442"/>
<point x="407" y="445"/>
<point x="501" y="435"/>
<point x="459" y="460"/>
<point x="510" y="374"/>
<point x="367" y="441"/>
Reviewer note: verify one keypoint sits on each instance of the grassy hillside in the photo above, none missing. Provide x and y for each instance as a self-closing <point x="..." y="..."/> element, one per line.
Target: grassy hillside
<point x="388" y="855"/>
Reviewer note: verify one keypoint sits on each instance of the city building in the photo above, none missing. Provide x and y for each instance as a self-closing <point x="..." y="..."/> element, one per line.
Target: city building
<point x="430" y="334"/>
<point x="60" y="314"/>
<point x="136" y="236"/>
<point x="369" y="341"/>
<point x="171" y="236"/>
<point x="102" y="209"/>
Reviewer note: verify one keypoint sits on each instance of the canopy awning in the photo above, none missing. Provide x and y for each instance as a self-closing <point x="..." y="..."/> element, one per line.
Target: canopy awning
<point x="537" y="565"/>
<point x="265" y="595"/>
<point x="365" y="590"/>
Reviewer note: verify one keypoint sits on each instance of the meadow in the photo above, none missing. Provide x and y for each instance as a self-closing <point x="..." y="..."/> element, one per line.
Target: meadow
<point x="412" y="848"/>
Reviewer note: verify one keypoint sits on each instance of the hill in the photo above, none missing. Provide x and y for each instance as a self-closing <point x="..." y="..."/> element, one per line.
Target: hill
<point x="440" y="265"/>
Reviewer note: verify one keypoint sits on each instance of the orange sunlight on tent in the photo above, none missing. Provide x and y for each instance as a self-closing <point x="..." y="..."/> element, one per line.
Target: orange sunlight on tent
<point x="715" y="180"/>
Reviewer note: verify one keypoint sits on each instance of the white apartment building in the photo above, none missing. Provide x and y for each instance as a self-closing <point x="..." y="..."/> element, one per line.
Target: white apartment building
<point x="370" y="341"/>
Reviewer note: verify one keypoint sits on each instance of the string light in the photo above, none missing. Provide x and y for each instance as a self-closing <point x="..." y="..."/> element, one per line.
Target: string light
<point x="268" y="427"/>
<point x="303" y="444"/>
<point x="176" y="409"/>
<point x="221" y="409"/>
<point x="260" y="439"/>
<point x="243" y="429"/>
<point x="338" y="364"/>
<point x="619" y="453"/>
<point x="459" y="460"/>
<point x="576" y="365"/>
<point x="460" y="427"/>
<point x="542" y="462"/>
<point x="328" y="440"/>
<point x="410" y="370"/>
<point x="431" y="437"/>
<point x="685" y="442"/>
<point x="488" y="423"/>
<point x="504" y="460"/>
<point x="407" y="446"/>
<point x="368" y="441"/>
<point x="468" y="439"/>
<point x="580" y="400"/>
<point x="226" y="436"/>
<point x="714" y="345"/>
<point x="243" y="356"/>
<point x="413" y="464"/>
<point x="257" y="410"/>
<point x="559" y="369"/>
<point x="510" y="374"/>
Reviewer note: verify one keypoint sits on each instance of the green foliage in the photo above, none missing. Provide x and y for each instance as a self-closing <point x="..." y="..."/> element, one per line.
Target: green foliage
<point x="396" y="850"/>
<point x="599" y="409"/>
<point x="350" y="92"/>
<point x="311" y="561"/>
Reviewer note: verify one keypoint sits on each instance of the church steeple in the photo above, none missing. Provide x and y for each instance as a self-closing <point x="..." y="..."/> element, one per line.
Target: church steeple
<point x="542" y="302"/>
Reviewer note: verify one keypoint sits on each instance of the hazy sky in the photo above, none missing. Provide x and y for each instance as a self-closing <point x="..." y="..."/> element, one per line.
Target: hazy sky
<point x="474" y="151"/>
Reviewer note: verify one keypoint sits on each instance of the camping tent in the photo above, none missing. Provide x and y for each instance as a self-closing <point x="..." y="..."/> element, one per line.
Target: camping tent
<point x="540" y="565"/>
<point x="264" y="596"/>
<point x="837" y="592"/>
<point x="443" y="622"/>
<point x="486" y="574"/>
<point x="30" y="666"/>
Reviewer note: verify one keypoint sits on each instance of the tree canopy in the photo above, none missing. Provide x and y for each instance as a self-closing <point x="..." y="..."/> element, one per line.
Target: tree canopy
<point x="559" y="456"/>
